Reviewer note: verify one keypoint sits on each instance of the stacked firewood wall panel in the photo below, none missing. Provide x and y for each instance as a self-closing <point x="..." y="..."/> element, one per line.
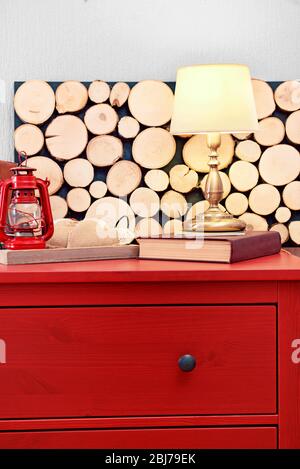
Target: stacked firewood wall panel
<point x="108" y="153"/>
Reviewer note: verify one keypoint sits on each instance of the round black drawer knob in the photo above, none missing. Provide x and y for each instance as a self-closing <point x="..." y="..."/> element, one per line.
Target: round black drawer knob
<point x="187" y="362"/>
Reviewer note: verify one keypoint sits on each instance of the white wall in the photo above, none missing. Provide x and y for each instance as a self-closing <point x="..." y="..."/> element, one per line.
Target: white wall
<point x="137" y="39"/>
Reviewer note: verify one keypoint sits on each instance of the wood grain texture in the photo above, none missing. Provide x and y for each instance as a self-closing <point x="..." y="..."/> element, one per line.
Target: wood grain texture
<point x="281" y="266"/>
<point x="59" y="206"/>
<point x="287" y="95"/>
<point x="195" y="152"/>
<point x="156" y="438"/>
<point x="279" y="164"/>
<point x="29" y="138"/>
<point x="144" y="202"/>
<point x="34" y="101"/>
<point x="248" y="150"/>
<point x="78" y="172"/>
<point x="68" y="254"/>
<point x="264" y="99"/>
<point x="153" y="148"/>
<point x="128" y="127"/>
<point x="171" y="332"/>
<point x="98" y="189"/>
<point x="282" y="230"/>
<point x="47" y="168"/>
<point x="104" y="150"/>
<point x="70" y="96"/>
<point x="293" y="127"/>
<point x="243" y="175"/>
<point x="264" y="199"/>
<point x="270" y="131"/>
<point x="147" y="227"/>
<point x="123" y="178"/>
<point x="157" y="180"/>
<point x="151" y="102"/>
<point x="78" y="199"/>
<point x="66" y="137"/>
<point x="119" y="94"/>
<point x="138" y="422"/>
<point x="99" y="91"/>
<point x="113" y="211"/>
<point x="254" y="221"/>
<point x="101" y="119"/>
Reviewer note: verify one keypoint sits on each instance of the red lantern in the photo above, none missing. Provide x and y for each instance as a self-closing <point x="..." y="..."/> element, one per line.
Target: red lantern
<point x="25" y="219"/>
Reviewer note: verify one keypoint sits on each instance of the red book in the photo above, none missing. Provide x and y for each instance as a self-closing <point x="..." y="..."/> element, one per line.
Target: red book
<point x="222" y="248"/>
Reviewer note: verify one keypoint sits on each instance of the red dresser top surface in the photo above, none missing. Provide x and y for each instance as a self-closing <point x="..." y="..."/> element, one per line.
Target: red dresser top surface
<point x="282" y="266"/>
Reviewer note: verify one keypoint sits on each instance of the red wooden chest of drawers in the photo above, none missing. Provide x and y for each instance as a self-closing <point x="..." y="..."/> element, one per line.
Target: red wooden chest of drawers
<point x="92" y="355"/>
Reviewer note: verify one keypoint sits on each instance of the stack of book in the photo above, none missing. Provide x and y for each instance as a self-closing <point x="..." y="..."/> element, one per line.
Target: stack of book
<point x="211" y="247"/>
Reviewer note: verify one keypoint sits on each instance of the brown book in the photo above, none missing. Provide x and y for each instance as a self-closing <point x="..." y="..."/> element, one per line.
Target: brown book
<point x="209" y="249"/>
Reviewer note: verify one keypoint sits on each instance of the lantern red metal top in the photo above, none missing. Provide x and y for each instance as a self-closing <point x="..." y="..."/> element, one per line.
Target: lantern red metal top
<point x="25" y="220"/>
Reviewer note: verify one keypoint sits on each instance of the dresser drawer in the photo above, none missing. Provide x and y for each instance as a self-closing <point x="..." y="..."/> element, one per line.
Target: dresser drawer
<point x="114" y="361"/>
<point x="179" y="438"/>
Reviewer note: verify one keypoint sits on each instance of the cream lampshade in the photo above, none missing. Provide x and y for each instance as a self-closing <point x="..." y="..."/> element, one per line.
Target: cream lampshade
<point x="214" y="99"/>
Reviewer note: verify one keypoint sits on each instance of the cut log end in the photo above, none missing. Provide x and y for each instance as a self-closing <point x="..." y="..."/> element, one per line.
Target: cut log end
<point x="173" y="204"/>
<point x="283" y="214"/>
<point x="78" y="172"/>
<point x="153" y="148"/>
<point x="123" y="178"/>
<point x="236" y="203"/>
<point x="279" y="164"/>
<point x="66" y="137"/>
<point x="293" y="127"/>
<point x="282" y="230"/>
<point x="98" y="189"/>
<point x="78" y="199"/>
<point x="183" y="179"/>
<point x="287" y="95"/>
<point x="151" y="102"/>
<point x="101" y="119"/>
<point x="119" y="94"/>
<point x="144" y="202"/>
<point x="173" y="227"/>
<point x="47" y="168"/>
<point x="99" y="91"/>
<point x="264" y="99"/>
<point x="29" y="138"/>
<point x="59" y="207"/>
<point x="254" y="222"/>
<point x="128" y="127"/>
<point x="196" y="152"/>
<point x="71" y="96"/>
<point x="247" y="150"/>
<point x="147" y="228"/>
<point x="264" y="199"/>
<point x="294" y="230"/>
<point x="114" y="211"/>
<point x="270" y="131"/>
<point x="291" y="195"/>
<point x="157" y="180"/>
<point x="34" y="101"/>
<point x="243" y="175"/>
<point x="104" y="150"/>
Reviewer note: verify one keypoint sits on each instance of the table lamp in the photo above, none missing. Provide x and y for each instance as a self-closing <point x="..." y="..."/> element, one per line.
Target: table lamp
<point x="214" y="99"/>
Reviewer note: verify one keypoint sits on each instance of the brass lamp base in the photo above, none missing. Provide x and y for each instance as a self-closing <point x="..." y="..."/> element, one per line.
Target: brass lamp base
<point x="215" y="220"/>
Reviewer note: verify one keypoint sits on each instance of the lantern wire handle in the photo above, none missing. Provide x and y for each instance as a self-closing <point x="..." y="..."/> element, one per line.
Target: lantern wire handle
<point x="22" y="154"/>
